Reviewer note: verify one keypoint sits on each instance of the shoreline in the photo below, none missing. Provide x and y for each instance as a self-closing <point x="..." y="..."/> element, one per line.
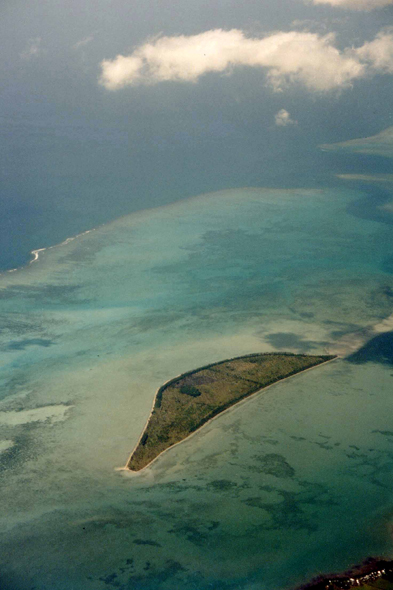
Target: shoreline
<point x="232" y="407"/>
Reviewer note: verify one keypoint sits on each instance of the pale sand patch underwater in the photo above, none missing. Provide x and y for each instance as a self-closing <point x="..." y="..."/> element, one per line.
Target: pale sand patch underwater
<point x="5" y="445"/>
<point x="50" y="414"/>
<point x="385" y="326"/>
<point x="387" y="207"/>
<point x="367" y="177"/>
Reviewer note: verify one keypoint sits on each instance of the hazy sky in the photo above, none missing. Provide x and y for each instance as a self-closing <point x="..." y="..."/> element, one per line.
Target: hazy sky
<point x="110" y="106"/>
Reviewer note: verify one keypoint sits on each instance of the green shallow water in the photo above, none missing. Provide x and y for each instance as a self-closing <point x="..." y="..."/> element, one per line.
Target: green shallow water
<point x="291" y="483"/>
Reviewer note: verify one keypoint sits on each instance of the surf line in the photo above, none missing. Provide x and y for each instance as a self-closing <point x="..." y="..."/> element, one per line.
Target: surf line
<point x="36" y="253"/>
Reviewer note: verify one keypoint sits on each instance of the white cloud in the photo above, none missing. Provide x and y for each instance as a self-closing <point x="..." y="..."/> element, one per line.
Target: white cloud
<point x="356" y="4"/>
<point x="293" y="56"/>
<point x="283" y="118"/>
<point x="307" y="58"/>
<point x="32" y="50"/>
<point x="379" y="53"/>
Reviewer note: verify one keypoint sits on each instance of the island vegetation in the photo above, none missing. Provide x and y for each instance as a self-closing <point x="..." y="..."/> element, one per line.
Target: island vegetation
<point x="185" y="403"/>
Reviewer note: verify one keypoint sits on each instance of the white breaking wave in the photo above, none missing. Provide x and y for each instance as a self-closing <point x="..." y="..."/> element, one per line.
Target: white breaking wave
<point x="36" y="253"/>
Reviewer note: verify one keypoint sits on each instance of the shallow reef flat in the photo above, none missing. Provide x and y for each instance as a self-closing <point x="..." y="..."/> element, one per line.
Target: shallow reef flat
<point x="283" y="486"/>
<point x="380" y="144"/>
<point x="185" y="403"/>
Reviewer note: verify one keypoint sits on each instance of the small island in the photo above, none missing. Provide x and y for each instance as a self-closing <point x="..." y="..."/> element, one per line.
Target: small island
<point x="185" y="403"/>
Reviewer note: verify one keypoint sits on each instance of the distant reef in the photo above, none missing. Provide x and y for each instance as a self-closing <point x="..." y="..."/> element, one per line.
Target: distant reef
<point x="185" y="403"/>
<point x="372" y="574"/>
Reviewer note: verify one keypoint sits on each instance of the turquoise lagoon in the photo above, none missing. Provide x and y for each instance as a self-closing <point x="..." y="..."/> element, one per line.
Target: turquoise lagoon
<point x="295" y="482"/>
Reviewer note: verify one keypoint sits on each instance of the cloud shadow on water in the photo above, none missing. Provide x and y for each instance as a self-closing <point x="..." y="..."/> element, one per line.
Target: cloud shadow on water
<point x="376" y="350"/>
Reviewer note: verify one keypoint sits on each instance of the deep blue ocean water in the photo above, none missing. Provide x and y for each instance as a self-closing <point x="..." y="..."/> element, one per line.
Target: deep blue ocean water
<point x="295" y="482"/>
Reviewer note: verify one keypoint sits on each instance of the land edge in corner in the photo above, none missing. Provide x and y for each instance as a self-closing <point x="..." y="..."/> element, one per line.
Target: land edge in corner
<point x="314" y="361"/>
<point x="372" y="573"/>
